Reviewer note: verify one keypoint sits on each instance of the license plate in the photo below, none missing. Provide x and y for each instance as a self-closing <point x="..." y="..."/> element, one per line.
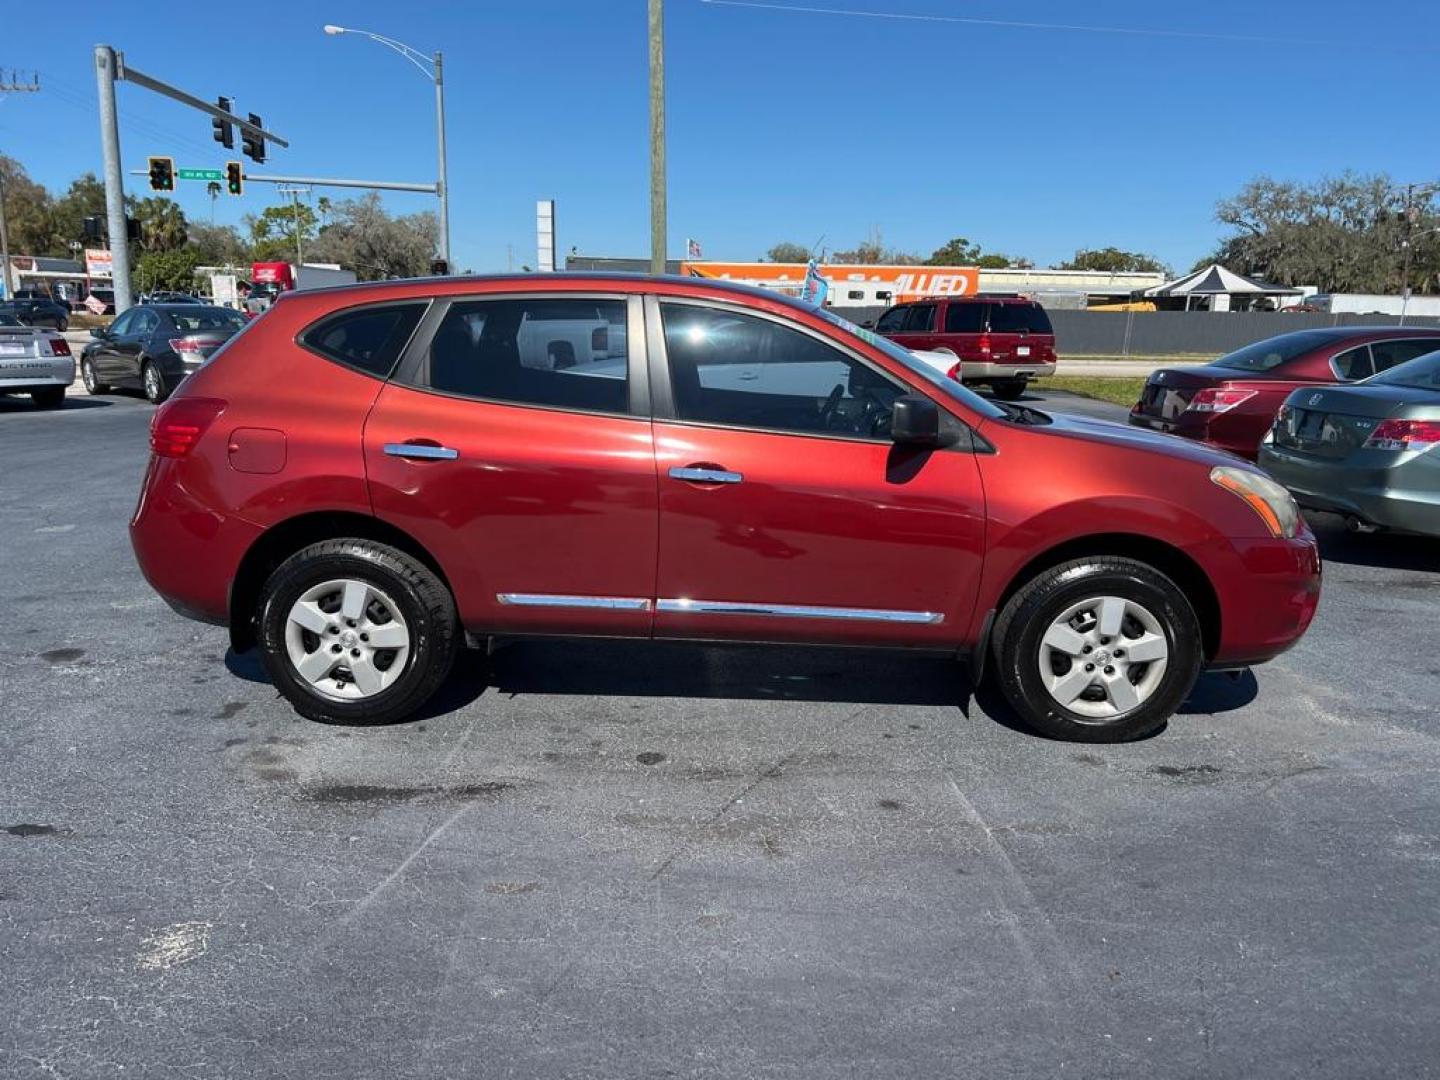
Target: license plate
<point x="1022" y="350"/>
<point x="10" y="348"/>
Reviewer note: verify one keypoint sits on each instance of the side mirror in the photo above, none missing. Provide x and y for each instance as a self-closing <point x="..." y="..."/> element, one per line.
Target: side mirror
<point x="99" y="333"/>
<point x="915" y="421"/>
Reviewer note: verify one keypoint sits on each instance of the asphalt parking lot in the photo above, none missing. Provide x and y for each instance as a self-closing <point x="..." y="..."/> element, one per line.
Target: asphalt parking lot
<point x="616" y="860"/>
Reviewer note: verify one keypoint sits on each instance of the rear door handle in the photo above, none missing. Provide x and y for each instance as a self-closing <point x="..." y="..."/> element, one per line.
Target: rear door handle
<point x="701" y="475"/>
<point x="421" y="451"/>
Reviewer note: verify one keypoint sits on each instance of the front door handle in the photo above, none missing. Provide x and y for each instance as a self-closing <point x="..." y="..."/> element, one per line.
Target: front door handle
<point x="421" y="451"/>
<point x="702" y="474"/>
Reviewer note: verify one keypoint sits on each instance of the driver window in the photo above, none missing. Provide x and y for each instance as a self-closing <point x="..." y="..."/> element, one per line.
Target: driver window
<point x="742" y="371"/>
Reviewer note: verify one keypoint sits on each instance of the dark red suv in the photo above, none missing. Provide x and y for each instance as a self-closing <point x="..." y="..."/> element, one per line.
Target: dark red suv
<point x="1232" y="402"/>
<point x="366" y="477"/>
<point x="999" y="340"/>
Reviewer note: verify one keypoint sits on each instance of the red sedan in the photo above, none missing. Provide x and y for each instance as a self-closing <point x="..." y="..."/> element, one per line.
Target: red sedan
<point x="367" y="477"/>
<point x="1232" y="402"/>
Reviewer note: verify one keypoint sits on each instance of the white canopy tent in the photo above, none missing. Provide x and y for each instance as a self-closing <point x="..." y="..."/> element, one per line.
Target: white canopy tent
<point x="1219" y="285"/>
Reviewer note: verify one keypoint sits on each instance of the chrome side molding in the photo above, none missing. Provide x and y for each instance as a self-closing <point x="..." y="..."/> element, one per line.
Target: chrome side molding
<point x="797" y="611"/>
<point x="551" y="600"/>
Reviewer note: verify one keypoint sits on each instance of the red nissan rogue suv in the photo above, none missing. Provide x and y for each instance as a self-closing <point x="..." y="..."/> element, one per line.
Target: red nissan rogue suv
<point x="367" y="476"/>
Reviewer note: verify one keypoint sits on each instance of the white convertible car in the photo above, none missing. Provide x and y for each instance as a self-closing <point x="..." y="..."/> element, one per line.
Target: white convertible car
<point x="34" y="361"/>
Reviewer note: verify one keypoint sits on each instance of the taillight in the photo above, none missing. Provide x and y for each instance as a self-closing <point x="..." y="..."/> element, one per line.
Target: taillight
<point x="1211" y="400"/>
<point x="1404" y="435"/>
<point x="983" y="344"/>
<point x="189" y="344"/>
<point x="179" y="423"/>
<point x="954" y="371"/>
<point x="58" y="346"/>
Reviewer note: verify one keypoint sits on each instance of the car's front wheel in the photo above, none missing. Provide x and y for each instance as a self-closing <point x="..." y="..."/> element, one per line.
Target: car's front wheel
<point x="354" y="631"/>
<point x="1098" y="649"/>
<point x="87" y="375"/>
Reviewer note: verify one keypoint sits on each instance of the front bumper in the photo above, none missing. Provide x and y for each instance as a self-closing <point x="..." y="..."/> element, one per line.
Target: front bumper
<point x="1394" y="489"/>
<point x="1268" y="590"/>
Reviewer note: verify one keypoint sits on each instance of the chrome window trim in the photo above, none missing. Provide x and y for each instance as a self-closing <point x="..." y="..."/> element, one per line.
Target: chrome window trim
<point x="556" y="600"/>
<point x="796" y="611"/>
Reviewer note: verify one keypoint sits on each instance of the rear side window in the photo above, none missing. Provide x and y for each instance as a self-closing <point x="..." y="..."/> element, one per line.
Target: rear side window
<point x="558" y="354"/>
<point x="921" y="319"/>
<point x="965" y="318"/>
<point x="1388" y="354"/>
<point x="1353" y="364"/>
<point x="893" y="321"/>
<point x="369" y="339"/>
<point x="1018" y="319"/>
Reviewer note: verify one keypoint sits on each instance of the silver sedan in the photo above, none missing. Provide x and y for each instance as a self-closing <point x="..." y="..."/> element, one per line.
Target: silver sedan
<point x="1369" y="451"/>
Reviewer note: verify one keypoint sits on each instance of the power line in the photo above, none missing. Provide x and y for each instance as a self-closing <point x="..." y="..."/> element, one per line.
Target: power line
<point x="1019" y="24"/>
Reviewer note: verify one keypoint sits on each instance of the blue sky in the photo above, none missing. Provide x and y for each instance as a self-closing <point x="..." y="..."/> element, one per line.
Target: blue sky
<point x="783" y="124"/>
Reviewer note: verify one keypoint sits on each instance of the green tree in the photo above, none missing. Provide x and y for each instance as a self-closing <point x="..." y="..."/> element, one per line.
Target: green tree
<point x="956" y="252"/>
<point x="27" y="210"/>
<point x="788" y="252"/>
<point x="85" y="198"/>
<point x="873" y="252"/>
<point x="273" y="232"/>
<point x="168" y="269"/>
<point x="364" y="238"/>
<point x="218" y="245"/>
<point x="1112" y="260"/>
<point x="162" y="224"/>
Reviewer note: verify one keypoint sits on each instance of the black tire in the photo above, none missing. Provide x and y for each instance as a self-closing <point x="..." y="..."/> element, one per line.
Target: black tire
<point x="52" y="397"/>
<point x="424" y="603"/>
<point x="1008" y="389"/>
<point x="1028" y="615"/>
<point x="152" y="381"/>
<point x="87" y="376"/>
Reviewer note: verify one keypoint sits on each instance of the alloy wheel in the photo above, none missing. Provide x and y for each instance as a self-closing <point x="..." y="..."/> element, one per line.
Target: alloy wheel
<point x="347" y="639"/>
<point x="1103" y="657"/>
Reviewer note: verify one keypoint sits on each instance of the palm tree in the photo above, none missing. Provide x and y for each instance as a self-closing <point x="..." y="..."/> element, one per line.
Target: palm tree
<point x="213" y="190"/>
<point x="162" y="225"/>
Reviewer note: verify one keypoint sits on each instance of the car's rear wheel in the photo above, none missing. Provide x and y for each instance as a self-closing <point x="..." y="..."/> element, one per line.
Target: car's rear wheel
<point x="52" y="397"/>
<point x="1008" y="389"/>
<point x="87" y="375"/>
<point x="353" y="631"/>
<point x="153" y="380"/>
<point x="1098" y="649"/>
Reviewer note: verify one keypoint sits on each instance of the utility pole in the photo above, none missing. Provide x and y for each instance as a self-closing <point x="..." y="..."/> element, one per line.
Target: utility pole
<point x="295" y="193"/>
<point x="12" y="85"/>
<point x="657" y="137"/>
<point x="1407" y="245"/>
<point x="105" y="64"/>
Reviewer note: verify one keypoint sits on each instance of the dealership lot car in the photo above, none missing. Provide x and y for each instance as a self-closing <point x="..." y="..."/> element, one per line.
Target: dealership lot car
<point x="35" y="362"/>
<point x="370" y="474"/>
<point x="37" y="311"/>
<point x="1232" y="402"/>
<point x="1002" y="341"/>
<point x="155" y="346"/>
<point x="1368" y="452"/>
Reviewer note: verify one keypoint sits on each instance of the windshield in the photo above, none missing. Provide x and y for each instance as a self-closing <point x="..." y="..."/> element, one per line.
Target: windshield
<point x="1422" y="373"/>
<point x="208" y="319"/>
<point x="1272" y="352"/>
<point x="950" y="387"/>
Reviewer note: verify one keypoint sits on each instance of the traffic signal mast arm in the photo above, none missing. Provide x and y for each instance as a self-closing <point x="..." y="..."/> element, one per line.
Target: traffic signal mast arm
<point x="251" y="127"/>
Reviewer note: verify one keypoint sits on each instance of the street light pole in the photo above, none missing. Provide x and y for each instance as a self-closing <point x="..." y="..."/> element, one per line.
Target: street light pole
<point x="436" y="74"/>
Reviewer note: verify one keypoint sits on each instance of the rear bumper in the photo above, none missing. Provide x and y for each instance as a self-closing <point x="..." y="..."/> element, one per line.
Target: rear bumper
<point x="37" y="375"/>
<point x="188" y="551"/>
<point x="1400" y="491"/>
<point x="1008" y="369"/>
<point x="1268" y="591"/>
<point x="1239" y="433"/>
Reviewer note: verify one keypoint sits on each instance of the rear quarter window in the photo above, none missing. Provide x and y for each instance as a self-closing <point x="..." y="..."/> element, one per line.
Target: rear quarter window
<point x="1019" y="318"/>
<point x="369" y="339"/>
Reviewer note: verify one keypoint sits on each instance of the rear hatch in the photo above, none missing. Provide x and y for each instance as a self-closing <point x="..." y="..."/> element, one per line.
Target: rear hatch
<point x="1333" y="422"/>
<point x="1168" y="391"/>
<point x="1019" y="334"/>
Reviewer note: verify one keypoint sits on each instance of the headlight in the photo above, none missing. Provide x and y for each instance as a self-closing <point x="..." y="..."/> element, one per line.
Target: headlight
<point x="1276" y="507"/>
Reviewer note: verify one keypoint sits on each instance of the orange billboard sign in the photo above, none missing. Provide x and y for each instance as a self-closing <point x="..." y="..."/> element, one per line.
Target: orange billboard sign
<point x="849" y="282"/>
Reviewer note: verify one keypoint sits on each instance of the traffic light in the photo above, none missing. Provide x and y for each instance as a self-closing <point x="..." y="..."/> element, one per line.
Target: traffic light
<point x="234" y="178"/>
<point x="162" y="174"/>
<point x="439" y="267"/>
<point x="253" y="145"/>
<point x="94" y="227"/>
<point x="224" y="130"/>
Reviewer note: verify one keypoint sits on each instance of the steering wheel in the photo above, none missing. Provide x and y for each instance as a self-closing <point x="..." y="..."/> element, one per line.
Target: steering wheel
<point x="832" y="403"/>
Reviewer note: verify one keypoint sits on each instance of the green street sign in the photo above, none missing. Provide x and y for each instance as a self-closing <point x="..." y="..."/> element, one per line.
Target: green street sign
<point x="199" y="174"/>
